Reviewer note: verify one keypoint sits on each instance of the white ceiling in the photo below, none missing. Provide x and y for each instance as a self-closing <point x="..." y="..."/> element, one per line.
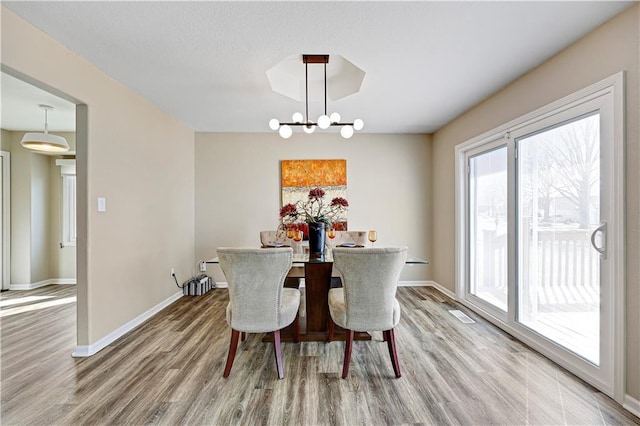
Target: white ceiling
<point x="205" y="62"/>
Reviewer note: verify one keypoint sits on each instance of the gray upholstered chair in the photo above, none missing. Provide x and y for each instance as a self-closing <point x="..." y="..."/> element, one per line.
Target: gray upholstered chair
<point x="367" y="301"/>
<point x="359" y="238"/>
<point x="273" y="237"/>
<point x="258" y="302"/>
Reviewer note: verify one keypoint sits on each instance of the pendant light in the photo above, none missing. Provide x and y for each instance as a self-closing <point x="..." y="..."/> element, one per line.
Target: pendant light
<point x="44" y="142"/>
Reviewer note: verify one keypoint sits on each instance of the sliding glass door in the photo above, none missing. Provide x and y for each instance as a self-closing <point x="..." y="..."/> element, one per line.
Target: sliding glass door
<point x="487" y="221"/>
<point x="560" y="234"/>
<point x="540" y="233"/>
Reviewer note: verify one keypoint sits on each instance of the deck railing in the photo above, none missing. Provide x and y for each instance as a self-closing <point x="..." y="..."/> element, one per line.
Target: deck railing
<point x="563" y="261"/>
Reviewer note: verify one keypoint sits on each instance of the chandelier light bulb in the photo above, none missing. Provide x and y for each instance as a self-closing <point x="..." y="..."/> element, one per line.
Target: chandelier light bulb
<point x="335" y="117"/>
<point x="297" y="117"/>
<point x="358" y="124"/>
<point x="274" y="124"/>
<point x="309" y="128"/>
<point x="324" y="122"/>
<point x="286" y="131"/>
<point x="346" y="131"/>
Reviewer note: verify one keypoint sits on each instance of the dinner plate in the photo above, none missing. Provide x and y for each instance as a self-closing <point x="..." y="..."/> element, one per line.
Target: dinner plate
<point x="348" y="245"/>
<point x="274" y="244"/>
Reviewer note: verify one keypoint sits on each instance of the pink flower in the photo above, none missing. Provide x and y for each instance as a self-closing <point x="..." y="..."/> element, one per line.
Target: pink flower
<point x="316" y="194"/>
<point x="288" y="210"/>
<point x="339" y="201"/>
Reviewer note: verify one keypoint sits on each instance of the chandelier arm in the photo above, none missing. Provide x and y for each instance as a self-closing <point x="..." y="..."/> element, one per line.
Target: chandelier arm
<point x="325" y="88"/>
<point x="315" y="124"/>
<point x="306" y="92"/>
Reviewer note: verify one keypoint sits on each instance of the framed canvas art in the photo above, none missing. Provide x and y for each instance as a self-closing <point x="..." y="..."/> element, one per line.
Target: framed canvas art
<point x="298" y="177"/>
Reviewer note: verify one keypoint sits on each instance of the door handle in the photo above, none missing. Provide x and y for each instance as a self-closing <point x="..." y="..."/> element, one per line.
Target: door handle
<point x="603" y="249"/>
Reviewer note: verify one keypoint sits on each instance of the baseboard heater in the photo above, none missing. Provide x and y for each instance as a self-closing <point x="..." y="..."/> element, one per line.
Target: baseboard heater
<point x="198" y="285"/>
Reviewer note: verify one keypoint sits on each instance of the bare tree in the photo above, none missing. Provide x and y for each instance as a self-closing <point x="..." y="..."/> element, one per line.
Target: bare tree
<point x="574" y="170"/>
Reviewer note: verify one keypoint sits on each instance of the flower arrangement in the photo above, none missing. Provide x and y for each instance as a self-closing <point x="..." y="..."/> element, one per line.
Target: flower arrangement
<point x="314" y="209"/>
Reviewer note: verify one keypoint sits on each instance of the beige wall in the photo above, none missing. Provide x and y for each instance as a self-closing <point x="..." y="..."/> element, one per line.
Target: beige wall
<point x="609" y="49"/>
<point x="40" y="211"/>
<point x="135" y="155"/>
<point x="238" y="188"/>
<point x="5" y="140"/>
<point x="20" y="211"/>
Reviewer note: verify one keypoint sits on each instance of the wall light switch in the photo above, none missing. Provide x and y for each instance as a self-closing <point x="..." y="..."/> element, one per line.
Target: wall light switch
<point x="102" y="204"/>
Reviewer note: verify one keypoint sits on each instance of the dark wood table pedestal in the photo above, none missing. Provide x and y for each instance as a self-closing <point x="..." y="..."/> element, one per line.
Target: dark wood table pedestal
<point x="314" y="325"/>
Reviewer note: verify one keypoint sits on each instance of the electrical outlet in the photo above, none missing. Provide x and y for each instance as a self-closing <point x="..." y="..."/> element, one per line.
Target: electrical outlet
<point x="172" y="271"/>
<point x="203" y="267"/>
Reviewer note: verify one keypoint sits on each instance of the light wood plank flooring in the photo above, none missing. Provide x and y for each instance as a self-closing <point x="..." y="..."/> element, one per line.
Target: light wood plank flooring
<point x="169" y="371"/>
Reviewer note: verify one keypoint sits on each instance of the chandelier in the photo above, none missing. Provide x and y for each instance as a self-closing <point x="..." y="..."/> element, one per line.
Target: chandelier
<point x="45" y="142"/>
<point x="324" y="121"/>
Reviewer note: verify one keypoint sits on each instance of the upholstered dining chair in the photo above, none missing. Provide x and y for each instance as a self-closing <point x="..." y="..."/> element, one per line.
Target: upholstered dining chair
<point x="359" y="238"/>
<point x="275" y="238"/>
<point x="367" y="301"/>
<point x="258" y="302"/>
<point x="278" y="237"/>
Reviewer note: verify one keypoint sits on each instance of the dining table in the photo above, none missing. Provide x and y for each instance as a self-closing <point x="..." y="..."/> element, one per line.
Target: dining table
<point x="318" y="280"/>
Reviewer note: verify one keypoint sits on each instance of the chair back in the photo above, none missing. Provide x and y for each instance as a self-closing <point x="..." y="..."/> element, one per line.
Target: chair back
<point x="370" y="279"/>
<point x="256" y="279"/>
<point x="273" y="237"/>
<point x="357" y="237"/>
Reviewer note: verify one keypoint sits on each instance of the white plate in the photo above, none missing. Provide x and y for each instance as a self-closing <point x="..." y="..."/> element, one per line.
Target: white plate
<point x="348" y="245"/>
<point x="274" y="244"/>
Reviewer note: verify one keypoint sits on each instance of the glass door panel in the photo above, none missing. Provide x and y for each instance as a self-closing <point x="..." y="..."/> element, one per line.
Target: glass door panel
<point x="487" y="221"/>
<point x="558" y="293"/>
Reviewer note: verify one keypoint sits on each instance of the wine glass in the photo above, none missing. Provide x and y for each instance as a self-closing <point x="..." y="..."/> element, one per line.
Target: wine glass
<point x="297" y="235"/>
<point x="373" y="236"/>
<point x="331" y="233"/>
<point x="290" y="234"/>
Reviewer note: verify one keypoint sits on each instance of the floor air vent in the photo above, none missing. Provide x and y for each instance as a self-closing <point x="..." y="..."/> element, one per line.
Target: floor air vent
<point x="461" y="316"/>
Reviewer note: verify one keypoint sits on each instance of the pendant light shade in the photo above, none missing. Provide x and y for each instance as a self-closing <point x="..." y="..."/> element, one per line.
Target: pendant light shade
<point x="44" y="142"/>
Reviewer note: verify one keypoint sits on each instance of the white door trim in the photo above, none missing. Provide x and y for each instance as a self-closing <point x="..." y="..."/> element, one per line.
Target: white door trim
<point x="6" y="219"/>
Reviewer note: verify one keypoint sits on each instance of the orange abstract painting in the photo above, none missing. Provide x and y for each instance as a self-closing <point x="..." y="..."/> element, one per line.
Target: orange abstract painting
<point x="313" y="173"/>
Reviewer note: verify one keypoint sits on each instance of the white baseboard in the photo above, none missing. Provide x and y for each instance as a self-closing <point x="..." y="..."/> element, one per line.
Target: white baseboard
<point x="88" y="350"/>
<point x="632" y="405"/>
<point x="442" y="289"/>
<point x="64" y="281"/>
<point x="39" y="284"/>
<point x="413" y="283"/>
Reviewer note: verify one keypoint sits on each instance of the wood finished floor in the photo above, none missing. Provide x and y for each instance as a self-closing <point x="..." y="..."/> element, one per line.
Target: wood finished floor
<point x="169" y="371"/>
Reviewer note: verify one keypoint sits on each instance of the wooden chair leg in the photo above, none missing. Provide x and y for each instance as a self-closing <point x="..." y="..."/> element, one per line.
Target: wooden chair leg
<point x="391" y="343"/>
<point x="243" y="336"/>
<point x="233" y="345"/>
<point x="278" y="352"/>
<point x="331" y="325"/>
<point x="347" y="353"/>
<point x="296" y="329"/>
